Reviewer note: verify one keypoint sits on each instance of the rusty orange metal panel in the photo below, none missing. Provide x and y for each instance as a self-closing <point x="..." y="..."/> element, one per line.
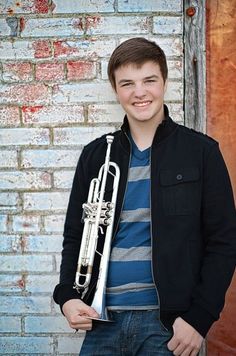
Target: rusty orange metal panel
<point x="221" y="124"/>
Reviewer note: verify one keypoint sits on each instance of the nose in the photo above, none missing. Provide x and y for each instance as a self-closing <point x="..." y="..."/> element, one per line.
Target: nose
<point x="139" y="91"/>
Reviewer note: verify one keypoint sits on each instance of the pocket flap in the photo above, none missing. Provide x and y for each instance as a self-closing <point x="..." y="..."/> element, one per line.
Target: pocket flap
<point x="182" y="175"/>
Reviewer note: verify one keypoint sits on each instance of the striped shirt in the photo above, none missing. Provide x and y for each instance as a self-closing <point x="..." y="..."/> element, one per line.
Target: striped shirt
<point x="130" y="284"/>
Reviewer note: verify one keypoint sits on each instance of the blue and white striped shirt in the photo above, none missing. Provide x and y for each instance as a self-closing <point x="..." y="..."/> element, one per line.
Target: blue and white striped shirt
<point x="130" y="283"/>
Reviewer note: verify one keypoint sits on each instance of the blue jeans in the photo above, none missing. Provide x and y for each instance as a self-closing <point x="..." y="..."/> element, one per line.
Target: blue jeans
<point x="131" y="333"/>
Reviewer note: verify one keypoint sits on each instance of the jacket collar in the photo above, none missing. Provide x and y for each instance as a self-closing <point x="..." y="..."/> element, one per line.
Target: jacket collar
<point x="166" y="127"/>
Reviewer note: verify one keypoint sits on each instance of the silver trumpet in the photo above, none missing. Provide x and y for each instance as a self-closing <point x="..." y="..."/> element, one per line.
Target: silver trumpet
<point x="98" y="214"/>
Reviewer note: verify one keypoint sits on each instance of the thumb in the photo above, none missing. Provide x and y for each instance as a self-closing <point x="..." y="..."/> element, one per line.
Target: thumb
<point x="89" y="311"/>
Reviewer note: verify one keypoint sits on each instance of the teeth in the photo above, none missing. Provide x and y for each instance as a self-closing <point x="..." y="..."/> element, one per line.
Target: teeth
<point x="142" y="104"/>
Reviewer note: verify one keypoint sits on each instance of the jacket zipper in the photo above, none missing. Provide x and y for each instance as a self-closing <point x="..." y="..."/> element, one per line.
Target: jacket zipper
<point x="158" y="297"/>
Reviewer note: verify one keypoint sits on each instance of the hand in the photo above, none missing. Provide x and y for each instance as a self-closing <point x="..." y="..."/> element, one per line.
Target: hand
<point x="77" y="313"/>
<point x="186" y="341"/>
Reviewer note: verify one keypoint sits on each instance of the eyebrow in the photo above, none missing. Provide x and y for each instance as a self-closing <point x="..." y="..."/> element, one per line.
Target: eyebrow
<point x="122" y="81"/>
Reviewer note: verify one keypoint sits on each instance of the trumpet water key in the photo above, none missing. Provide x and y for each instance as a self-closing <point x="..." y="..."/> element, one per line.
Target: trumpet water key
<point x="98" y="216"/>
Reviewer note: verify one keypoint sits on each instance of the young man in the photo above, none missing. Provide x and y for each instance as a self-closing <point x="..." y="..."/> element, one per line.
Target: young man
<point x="173" y="248"/>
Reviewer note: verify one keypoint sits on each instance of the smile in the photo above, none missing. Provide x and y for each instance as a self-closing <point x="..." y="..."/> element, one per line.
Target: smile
<point x="142" y="104"/>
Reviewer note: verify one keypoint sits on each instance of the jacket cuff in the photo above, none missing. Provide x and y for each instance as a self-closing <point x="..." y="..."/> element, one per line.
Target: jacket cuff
<point x="200" y="319"/>
<point x="63" y="293"/>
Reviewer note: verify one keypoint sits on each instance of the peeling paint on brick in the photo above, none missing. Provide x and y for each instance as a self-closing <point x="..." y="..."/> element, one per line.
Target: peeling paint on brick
<point x="13" y="24"/>
<point x="41" y="6"/>
<point x="42" y="49"/>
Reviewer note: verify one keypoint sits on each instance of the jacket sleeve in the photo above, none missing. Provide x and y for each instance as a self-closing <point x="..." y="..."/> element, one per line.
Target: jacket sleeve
<point x="219" y="233"/>
<point x="73" y="229"/>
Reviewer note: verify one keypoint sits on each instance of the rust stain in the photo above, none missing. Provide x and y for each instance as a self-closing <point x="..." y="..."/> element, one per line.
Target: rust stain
<point x="21" y="283"/>
<point x="22" y="24"/>
<point x="10" y="11"/>
<point x="191" y="11"/>
<point x="221" y="124"/>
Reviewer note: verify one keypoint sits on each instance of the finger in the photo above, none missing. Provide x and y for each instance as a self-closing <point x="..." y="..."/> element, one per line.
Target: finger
<point x="80" y="323"/>
<point x="87" y="310"/>
<point x="179" y="350"/>
<point x="83" y="327"/>
<point x="173" y="344"/>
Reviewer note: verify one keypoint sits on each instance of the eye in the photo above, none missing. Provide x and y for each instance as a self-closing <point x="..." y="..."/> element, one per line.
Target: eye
<point x="126" y="84"/>
<point x="150" y="81"/>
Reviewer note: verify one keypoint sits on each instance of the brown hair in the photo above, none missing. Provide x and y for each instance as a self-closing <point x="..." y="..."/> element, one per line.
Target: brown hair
<point x="136" y="51"/>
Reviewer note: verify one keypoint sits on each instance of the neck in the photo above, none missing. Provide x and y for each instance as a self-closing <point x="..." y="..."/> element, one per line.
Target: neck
<point x="143" y="134"/>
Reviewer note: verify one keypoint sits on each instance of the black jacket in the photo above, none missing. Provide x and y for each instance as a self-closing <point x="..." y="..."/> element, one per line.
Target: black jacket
<point x="193" y="221"/>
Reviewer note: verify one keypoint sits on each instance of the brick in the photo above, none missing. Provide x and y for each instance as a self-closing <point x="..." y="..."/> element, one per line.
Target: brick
<point x="42" y="49"/>
<point x="43" y="243"/>
<point x="21" y="345"/>
<point x="91" y="48"/>
<point x="171" y="46"/>
<point x="150" y="5"/>
<point x="175" y="69"/>
<point x="9" y="116"/>
<point x="22" y="136"/>
<point x="3" y="223"/>
<point x="25" y="180"/>
<point x="176" y="112"/>
<point x="83" y="93"/>
<point x="174" y="66"/>
<point x="23" y="50"/>
<point x="112" y="113"/>
<point x="63" y="179"/>
<point x="10" y="243"/>
<point x="78" y="70"/>
<point x="54" y="223"/>
<point x="9" y="284"/>
<point x="98" y="25"/>
<point x="47" y="324"/>
<point x="79" y="135"/>
<point x="70" y="345"/>
<point x="5" y="29"/>
<point x="49" y="71"/>
<point x="64" y="7"/>
<point x="174" y="91"/>
<point x="26" y="223"/>
<point x="58" y="263"/>
<point x="49" y="158"/>
<point x="13" y="72"/>
<point x="11" y="7"/>
<point x="167" y="25"/>
<point x="10" y="324"/>
<point x="40" y="283"/>
<point x="26" y="263"/>
<point x="8" y="159"/>
<point x="46" y="201"/>
<point x="53" y="27"/>
<point x="24" y="94"/>
<point x="9" y="201"/>
<point x="52" y="115"/>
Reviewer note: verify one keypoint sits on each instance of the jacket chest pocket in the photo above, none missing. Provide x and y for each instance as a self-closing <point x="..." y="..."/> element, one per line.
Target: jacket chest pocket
<point x="180" y="191"/>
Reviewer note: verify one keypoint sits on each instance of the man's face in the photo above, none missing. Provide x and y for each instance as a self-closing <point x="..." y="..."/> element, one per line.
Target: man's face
<point x="140" y="91"/>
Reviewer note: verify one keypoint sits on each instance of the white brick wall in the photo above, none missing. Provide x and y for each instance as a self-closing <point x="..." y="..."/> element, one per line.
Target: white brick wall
<point x="54" y="98"/>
